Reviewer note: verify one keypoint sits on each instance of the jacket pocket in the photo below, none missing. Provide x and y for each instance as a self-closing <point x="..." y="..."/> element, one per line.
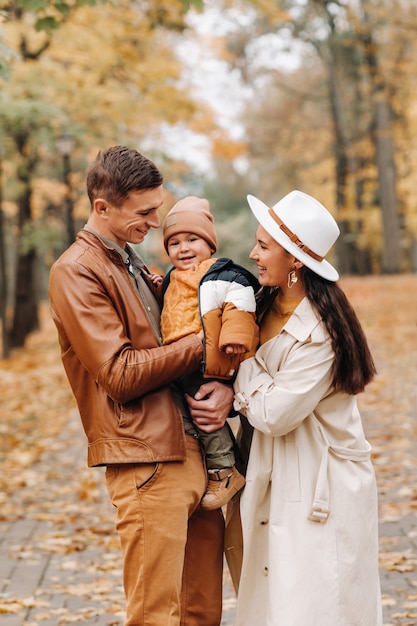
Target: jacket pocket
<point x="124" y="415"/>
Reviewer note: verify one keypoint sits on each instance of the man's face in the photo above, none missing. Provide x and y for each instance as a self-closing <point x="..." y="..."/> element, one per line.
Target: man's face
<point x="131" y="221"/>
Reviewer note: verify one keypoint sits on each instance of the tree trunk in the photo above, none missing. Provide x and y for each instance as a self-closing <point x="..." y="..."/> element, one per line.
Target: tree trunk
<point x="25" y="318"/>
<point x="387" y="189"/>
<point x="343" y="243"/>
<point x="384" y="153"/>
<point x="3" y="278"/>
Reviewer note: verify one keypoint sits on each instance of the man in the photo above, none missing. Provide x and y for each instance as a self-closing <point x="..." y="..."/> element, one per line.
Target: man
<point x="137" y="423"/>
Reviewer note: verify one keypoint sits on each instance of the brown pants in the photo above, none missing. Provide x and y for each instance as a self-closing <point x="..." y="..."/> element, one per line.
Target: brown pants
<point x="172" y="548"/>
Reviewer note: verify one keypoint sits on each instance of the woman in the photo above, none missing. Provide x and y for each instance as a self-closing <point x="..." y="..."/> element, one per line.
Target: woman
<point x="309" y="508"/>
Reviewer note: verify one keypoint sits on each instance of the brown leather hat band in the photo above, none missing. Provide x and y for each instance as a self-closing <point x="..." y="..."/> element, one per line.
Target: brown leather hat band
<point x="293" y="237"/>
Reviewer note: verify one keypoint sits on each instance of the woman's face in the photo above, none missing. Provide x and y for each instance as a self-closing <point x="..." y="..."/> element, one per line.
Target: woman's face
<point x="273" y="262"/>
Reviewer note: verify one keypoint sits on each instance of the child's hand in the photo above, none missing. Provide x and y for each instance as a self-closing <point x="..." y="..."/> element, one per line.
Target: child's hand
<point x="234" y="348"/>
<point x="156" y="279"/>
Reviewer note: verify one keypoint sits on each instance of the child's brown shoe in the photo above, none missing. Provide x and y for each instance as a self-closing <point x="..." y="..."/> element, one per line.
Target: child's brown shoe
<point x="222" y="486"/>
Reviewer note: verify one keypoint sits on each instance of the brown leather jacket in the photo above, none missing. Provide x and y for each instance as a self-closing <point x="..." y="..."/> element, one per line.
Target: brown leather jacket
<point x="118" y="373"/>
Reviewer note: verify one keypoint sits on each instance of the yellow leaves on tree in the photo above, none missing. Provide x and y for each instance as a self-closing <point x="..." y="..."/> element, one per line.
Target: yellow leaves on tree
<point x="112" y="68"/>
<point x="223" y="147"/>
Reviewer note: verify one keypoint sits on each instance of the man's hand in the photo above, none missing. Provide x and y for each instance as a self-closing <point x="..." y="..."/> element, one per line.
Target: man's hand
<point x="211" y="405"/>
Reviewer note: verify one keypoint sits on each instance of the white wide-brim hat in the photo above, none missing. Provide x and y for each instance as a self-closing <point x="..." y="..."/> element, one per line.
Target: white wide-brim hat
<point x="302" y="226"/>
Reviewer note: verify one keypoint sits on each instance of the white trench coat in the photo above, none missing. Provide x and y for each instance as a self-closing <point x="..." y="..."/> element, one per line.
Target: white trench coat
<point x="309" y="507"/>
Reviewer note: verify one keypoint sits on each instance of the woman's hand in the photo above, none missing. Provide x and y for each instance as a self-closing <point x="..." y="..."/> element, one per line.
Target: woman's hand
<point x="211" y="405"/>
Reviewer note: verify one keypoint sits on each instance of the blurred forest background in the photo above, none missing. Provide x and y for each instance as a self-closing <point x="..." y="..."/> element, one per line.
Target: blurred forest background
<point x="228" y="97"/>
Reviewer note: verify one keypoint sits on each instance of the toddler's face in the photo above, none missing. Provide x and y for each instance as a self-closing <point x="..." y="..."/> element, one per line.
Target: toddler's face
<point x="187" y="249"/>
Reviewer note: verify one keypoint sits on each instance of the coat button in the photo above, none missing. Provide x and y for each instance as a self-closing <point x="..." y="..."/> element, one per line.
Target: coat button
<point x="265" y="570"/>
<point x="263" y="521"/>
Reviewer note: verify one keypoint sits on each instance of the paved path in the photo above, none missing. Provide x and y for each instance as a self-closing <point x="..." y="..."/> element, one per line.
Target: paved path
<point x="59" y="554"/>
<point x="60" y="560"/>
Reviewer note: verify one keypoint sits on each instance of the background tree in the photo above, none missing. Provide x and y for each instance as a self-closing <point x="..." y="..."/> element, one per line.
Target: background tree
<point x="358" y="54"/>
<point x="319" y="94"/>
<point x="112" y="78"/>
<point x="26" y="125"/>
<point x="3" y="275"/>
<point x="43" y="16"/>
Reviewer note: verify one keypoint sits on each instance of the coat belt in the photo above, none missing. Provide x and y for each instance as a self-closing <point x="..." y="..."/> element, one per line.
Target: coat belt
<point x="320" y="510"/>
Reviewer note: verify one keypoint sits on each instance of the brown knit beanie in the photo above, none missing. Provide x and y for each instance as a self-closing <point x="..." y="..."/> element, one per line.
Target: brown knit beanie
<point x="190" y="215"/>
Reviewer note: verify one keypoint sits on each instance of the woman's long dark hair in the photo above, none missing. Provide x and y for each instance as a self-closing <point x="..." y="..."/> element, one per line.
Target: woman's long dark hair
<point x="353" y="367"/>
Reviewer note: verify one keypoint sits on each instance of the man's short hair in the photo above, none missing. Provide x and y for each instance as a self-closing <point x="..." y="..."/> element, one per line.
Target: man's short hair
<point x="117" y="171"/>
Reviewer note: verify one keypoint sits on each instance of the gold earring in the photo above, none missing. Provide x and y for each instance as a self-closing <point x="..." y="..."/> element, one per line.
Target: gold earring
<point x="292" y="278"/>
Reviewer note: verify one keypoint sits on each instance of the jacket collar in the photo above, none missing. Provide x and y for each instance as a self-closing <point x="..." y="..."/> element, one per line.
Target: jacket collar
<point x="128" y="254"/>
<point x="109" y="244"/>
<point x="303" y="321"/>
